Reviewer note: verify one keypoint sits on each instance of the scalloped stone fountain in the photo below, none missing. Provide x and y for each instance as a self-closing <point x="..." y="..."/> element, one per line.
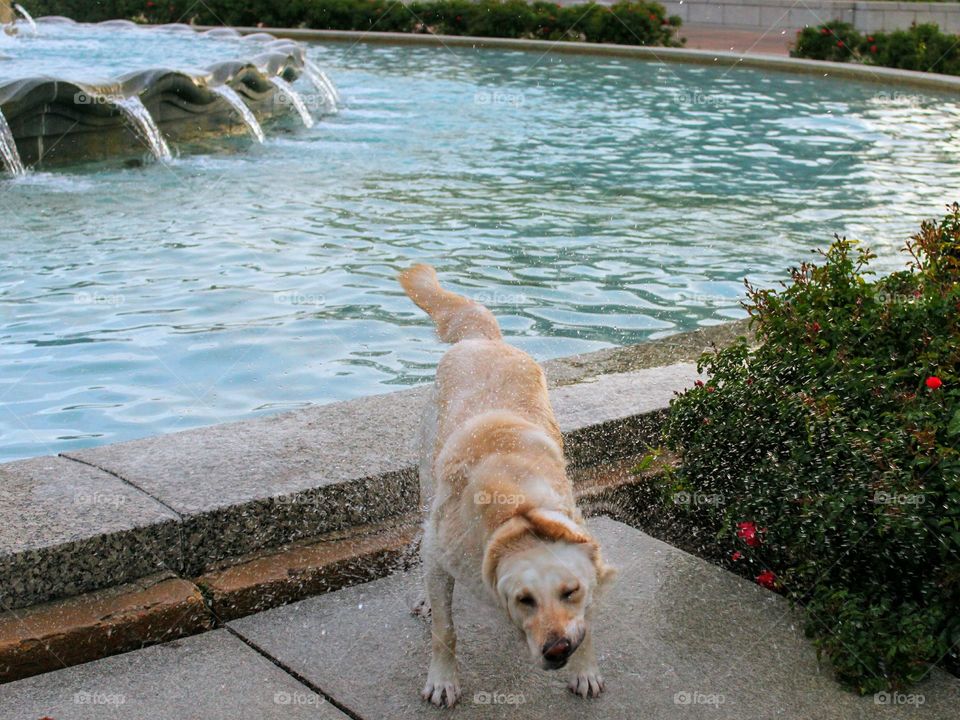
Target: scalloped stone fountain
<point x="67" y="97"/>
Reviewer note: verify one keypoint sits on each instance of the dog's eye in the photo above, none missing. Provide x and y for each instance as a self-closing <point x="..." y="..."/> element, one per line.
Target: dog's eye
<point x="527" y="600"/>
<point x="567" y="594"/>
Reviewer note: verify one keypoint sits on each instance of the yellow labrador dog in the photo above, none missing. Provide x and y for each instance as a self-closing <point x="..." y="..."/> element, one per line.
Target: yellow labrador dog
<point x="502" y="515"/>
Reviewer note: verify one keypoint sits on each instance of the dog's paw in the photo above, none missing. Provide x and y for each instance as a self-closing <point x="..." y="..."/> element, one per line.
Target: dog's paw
<point x="421" y="610"/>
<point x="442" y="689"/>
<point x="586" y="684"/>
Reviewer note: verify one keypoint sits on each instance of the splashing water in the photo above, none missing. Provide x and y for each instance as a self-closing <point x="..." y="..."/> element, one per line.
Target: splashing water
<point x="8" y="149"/>
<point x="322" y="83"/>
<point x="26" y="16"/>
<point x="138" y="114"/>
<point x="237" y="103"/>
<point x="284" y="87"/>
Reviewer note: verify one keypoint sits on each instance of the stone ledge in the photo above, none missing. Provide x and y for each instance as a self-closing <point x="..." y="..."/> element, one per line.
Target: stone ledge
<point x="128" y="617"/>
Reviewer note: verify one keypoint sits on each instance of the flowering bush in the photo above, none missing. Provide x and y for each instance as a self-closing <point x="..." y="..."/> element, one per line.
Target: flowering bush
<point x="628" y="22"/>
<point x="832" y="446"/>
<point x="922" y="47"/>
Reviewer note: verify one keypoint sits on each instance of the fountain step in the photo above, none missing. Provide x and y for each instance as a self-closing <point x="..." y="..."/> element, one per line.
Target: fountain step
<point x="189" y="501"/>
<point x="80" y="629"/>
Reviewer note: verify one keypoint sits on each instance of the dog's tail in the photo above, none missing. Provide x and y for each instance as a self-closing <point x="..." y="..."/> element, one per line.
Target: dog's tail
<point x="456" y="317"/>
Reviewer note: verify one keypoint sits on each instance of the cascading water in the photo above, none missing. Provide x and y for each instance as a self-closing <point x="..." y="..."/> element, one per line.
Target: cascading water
<point x="284" y="87"/>
<point x="8" y="149"/>
<point x="237" y="103"/>
<point x="26" y="16"/>
<point x="137" y="113"/>
<point x="322" y="83"/>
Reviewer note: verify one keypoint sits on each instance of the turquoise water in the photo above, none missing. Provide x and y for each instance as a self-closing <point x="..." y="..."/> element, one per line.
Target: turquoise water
<point x="590" y="202"/>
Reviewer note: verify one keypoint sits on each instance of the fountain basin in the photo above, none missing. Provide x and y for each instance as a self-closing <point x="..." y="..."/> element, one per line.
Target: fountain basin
<point x="63" y="118"/>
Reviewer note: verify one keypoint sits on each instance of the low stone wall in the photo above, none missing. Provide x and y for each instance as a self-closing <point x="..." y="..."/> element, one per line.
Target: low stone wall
<point x="789" y="15"/>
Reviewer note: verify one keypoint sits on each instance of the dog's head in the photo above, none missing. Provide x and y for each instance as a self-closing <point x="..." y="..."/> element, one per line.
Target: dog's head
<point x="546" y="572"/>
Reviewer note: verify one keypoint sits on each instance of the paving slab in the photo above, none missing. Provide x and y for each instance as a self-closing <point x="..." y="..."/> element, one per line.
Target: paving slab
<point x="213" y="676"/>
<point x="66" y="528"/>
<point x="677" y="638"/>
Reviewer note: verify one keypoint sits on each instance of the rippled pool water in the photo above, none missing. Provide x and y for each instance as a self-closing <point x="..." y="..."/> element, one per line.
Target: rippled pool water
<point x="589" y="201"/>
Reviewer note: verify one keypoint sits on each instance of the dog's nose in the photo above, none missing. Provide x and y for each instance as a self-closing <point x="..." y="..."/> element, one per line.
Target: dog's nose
<point x="557" y="650"/>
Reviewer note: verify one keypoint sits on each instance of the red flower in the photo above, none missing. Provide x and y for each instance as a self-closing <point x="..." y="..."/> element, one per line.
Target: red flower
<point x="747" y="531"/>
<point x="873" y="49"/>
<point x="151" y="4"/>
<point x="710" y="388"/>
<point x="767" y="579"/>
<point x="869" y="38"/>
<point x="824" y="31"/>
<point x="698" y="383"/>
<point x="839" y="43"/>
<point x="653" y="17"/>
<point x="736" y="556"/>
<point x="933" y="382"/>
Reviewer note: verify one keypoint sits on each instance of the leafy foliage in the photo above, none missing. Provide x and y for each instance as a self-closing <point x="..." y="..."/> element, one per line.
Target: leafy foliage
<point x="921" y="47"/>
<point x="628" y="22"/>
<point x="831" y="448"/>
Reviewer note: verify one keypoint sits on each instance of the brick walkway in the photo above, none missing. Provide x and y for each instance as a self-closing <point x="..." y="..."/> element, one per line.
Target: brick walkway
<point x="715" y="37"/>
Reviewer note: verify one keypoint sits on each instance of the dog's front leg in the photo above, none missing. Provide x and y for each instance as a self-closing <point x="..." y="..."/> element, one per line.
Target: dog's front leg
<point x="443" y="686"/>
<point x="585" y="679"/>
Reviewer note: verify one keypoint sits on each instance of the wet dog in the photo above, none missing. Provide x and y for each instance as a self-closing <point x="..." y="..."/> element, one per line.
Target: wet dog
<point x="502" y="517"/>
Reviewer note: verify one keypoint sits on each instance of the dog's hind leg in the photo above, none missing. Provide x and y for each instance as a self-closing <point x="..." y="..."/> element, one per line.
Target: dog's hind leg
<point x="443" y="685"/>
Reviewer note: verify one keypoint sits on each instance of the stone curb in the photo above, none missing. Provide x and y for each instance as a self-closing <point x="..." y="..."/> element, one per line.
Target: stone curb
<point x="69" y="632"/>
<point x="864" y="73"/>
<point x="89" y="627"/>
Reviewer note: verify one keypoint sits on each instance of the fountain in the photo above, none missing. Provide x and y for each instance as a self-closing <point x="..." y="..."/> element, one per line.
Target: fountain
<point x="236" y="102"/>
<point x="62" y="115"/>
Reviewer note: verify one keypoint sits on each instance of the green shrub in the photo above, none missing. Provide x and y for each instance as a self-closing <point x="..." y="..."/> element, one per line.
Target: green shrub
<point x="834" y="41"/>
<point x="832" y="447"/>
<point x="922" y="47"/>
<point x="631" y="22"/>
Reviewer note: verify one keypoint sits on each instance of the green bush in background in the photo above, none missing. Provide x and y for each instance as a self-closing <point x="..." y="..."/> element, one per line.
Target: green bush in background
<point x="922" y="47"/>
<point x="831" y="451"/>
<point x="629" y="22"/>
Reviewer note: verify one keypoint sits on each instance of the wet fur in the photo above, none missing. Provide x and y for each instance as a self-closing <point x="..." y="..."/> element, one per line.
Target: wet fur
<point x="502" y="514"/>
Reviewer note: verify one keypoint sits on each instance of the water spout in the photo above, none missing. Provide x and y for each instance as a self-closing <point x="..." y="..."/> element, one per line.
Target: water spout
<point x="26" y="16"/>
<point x="322" y="83"/>
<point x="237" y="103"/>
<point x="294" y="97"/>
<point x="8" y="149"/>
<point x="137" y="113"/>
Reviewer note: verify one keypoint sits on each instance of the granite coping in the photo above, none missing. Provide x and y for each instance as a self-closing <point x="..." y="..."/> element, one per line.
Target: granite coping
<point x="188" y="501"/>
<point x="213" y="676"/>
<point x="676" y="637"/>
<point x="66" y="528"/>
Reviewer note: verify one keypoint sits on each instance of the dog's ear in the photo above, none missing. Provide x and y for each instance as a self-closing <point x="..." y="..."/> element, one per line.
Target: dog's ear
<point x="502" y="543"/>
<point x="554" y="525"/>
